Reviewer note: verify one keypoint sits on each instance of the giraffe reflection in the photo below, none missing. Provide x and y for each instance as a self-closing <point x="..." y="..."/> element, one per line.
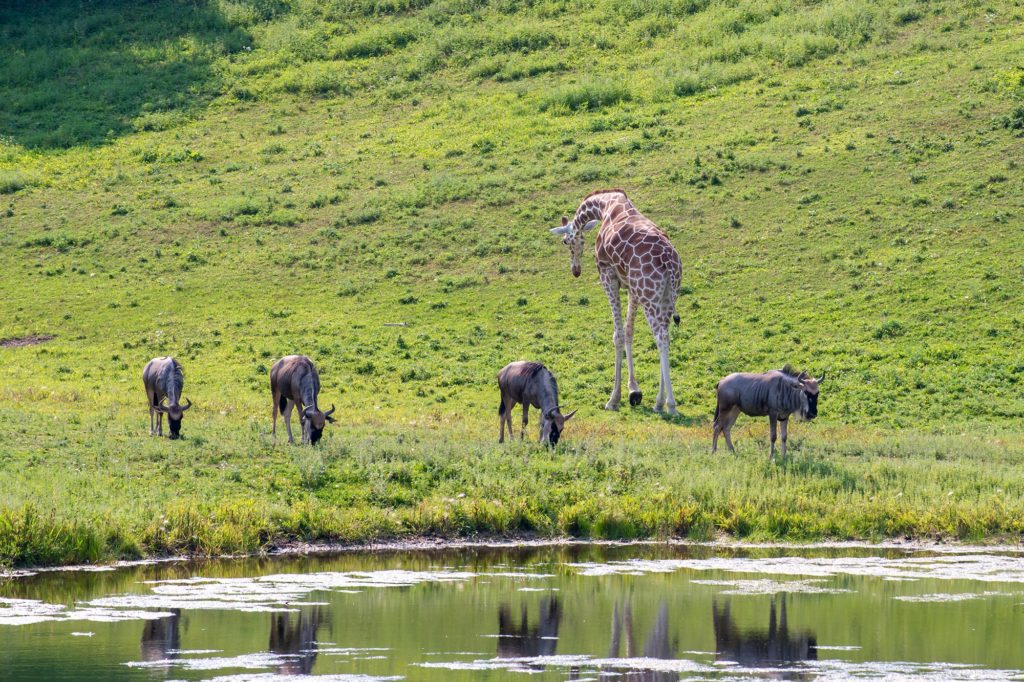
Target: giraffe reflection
<point x="757" y="648"/>
<point x="161" y="638"/>
<point x="294" y="635"/>
<point x="657" y="645"/>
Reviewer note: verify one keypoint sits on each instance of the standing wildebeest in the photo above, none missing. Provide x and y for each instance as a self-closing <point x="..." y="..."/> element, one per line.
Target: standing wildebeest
<point x="631" y="252"/>
<point x="294" y="381"/>
<point x="530" y="383"/>
<point x="777" y="394"/>
<point x="164" y="380"/>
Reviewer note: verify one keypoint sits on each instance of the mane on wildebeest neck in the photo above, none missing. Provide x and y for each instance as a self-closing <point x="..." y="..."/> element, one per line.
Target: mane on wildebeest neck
<point x="536" y="368"/>
<point x="791" y="371"/>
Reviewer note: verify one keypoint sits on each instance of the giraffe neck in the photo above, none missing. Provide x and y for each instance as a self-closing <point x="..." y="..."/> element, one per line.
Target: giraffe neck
<point x="596" y="207"/>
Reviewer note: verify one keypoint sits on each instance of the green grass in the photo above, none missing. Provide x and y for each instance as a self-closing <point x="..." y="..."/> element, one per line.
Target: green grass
<point x="229" y="182"/>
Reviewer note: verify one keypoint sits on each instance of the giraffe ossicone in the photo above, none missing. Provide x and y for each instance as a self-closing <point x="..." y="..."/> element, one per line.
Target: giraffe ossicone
<point x="630" y="251"/>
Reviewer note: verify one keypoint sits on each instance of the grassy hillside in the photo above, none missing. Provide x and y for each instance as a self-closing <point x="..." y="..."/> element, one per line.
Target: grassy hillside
<point x="229" y="182"/>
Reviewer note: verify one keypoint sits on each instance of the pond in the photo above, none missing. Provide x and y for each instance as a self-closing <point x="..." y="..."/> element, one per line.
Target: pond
<point x="561" y="612"/>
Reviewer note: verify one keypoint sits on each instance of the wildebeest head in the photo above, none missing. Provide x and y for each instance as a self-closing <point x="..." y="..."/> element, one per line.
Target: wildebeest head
<point x="313" y="423"/>
<point x="174" y="414"/>
<point x="552" y="425"/>
<point x="810" y="388"/>
<point x="573" y="238"/>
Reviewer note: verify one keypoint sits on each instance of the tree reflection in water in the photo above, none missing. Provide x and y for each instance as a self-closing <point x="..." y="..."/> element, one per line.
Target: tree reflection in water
<point x="756" y="648"/>
<point x="294" y="636"/>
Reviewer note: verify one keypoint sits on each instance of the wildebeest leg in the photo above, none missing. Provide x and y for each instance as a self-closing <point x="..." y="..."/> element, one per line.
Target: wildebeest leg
<point x="507" y="420"/>
<point x="159" y="423"/>
<point x="526" y="420"/>
<point x="152" y="411"/>
<point x="635" y="396"/>
<point x="716" y="429"/>
<point x="273" y="429"/>
<point x="784" y="422"/>
<point x="288" y="420"/>
<point x="610" y="282"/>
<point x="728" y="419"/>
<point x="501" y="420"/>
<point x="771" y="428"/>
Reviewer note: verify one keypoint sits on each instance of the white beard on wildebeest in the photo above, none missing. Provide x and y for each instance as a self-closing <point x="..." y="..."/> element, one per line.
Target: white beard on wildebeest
<point x="776" y="394"/>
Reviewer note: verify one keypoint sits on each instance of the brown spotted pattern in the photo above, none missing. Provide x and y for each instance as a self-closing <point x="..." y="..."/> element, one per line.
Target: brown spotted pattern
<point x="631" y="252"/>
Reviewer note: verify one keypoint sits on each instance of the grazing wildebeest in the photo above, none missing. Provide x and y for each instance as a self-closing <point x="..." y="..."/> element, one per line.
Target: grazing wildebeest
<point x="294" y="381"/>
<point x="776" y="394"/>
<point x="631" y="252"/>
<point x="164" y="380"/>
<point x="530" y="383"/>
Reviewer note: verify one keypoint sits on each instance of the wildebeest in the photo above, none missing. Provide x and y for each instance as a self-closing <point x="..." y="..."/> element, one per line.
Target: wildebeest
<point x="530" y="383"/>
<point x="776" y="394"/>
<point x="294" y="381"/>
<point x="164" y="380"/>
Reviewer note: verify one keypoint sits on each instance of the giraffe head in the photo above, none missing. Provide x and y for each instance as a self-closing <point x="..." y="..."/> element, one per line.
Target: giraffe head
<point x="572" y="236"/>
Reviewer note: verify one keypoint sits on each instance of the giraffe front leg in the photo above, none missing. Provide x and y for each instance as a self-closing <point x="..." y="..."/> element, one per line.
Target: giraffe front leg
<point x="610" y="282"/>
<point x="635" y="396"/>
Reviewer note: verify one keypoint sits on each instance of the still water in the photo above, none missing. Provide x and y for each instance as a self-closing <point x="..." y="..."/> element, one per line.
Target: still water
<point x="579" y="612"/>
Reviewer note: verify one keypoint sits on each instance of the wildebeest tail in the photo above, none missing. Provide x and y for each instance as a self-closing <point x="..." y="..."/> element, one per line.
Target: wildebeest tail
<point x="718" y="408"/>
<point x="283" y="403"/>
<point x="501" y="408"/>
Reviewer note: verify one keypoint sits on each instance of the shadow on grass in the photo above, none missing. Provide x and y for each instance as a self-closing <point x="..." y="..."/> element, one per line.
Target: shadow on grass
<point x="83" y="72"/>
<point x="648" y="413"/>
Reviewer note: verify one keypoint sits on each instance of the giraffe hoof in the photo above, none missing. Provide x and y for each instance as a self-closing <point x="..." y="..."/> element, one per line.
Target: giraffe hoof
<point x="635" y="398"/>
<point x="613" y="406"/>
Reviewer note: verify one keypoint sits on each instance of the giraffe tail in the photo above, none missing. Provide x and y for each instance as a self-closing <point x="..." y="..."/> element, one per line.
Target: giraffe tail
<point x="675" y="318"/>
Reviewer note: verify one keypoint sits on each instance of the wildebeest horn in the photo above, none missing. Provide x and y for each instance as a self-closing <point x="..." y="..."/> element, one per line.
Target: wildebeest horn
<point x="569" y="416"/>
<point x="329" y="412"/>
<point x="821" y="378"/>
<point x="188" y="404"/>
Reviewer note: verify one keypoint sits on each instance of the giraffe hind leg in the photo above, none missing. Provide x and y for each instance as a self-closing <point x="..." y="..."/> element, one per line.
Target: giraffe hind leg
<point x="635" y="396"/>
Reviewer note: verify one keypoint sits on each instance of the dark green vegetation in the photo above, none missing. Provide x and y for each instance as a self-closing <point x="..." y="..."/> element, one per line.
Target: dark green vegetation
<point x="231" y="182"/>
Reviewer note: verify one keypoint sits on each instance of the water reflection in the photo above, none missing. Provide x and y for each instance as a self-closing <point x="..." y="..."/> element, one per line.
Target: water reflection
<point x="161" y="638"/>
<point x="294" y="636"/>
<point x="756" y="647"/>
<point x="657" y="644"/>
<point x="525" y="641"/>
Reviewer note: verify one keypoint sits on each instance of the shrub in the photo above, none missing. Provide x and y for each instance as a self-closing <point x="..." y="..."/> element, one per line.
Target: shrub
<point x="589" y="96"/>
<point x="14" y="181"/>
<point x="890" y="330"/>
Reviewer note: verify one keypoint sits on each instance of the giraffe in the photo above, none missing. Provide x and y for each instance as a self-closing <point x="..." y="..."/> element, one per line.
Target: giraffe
<point x="630" y="251"/>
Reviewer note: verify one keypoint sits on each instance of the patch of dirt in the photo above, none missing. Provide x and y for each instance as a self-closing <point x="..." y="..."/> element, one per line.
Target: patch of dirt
<point x="31" y="340"/>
